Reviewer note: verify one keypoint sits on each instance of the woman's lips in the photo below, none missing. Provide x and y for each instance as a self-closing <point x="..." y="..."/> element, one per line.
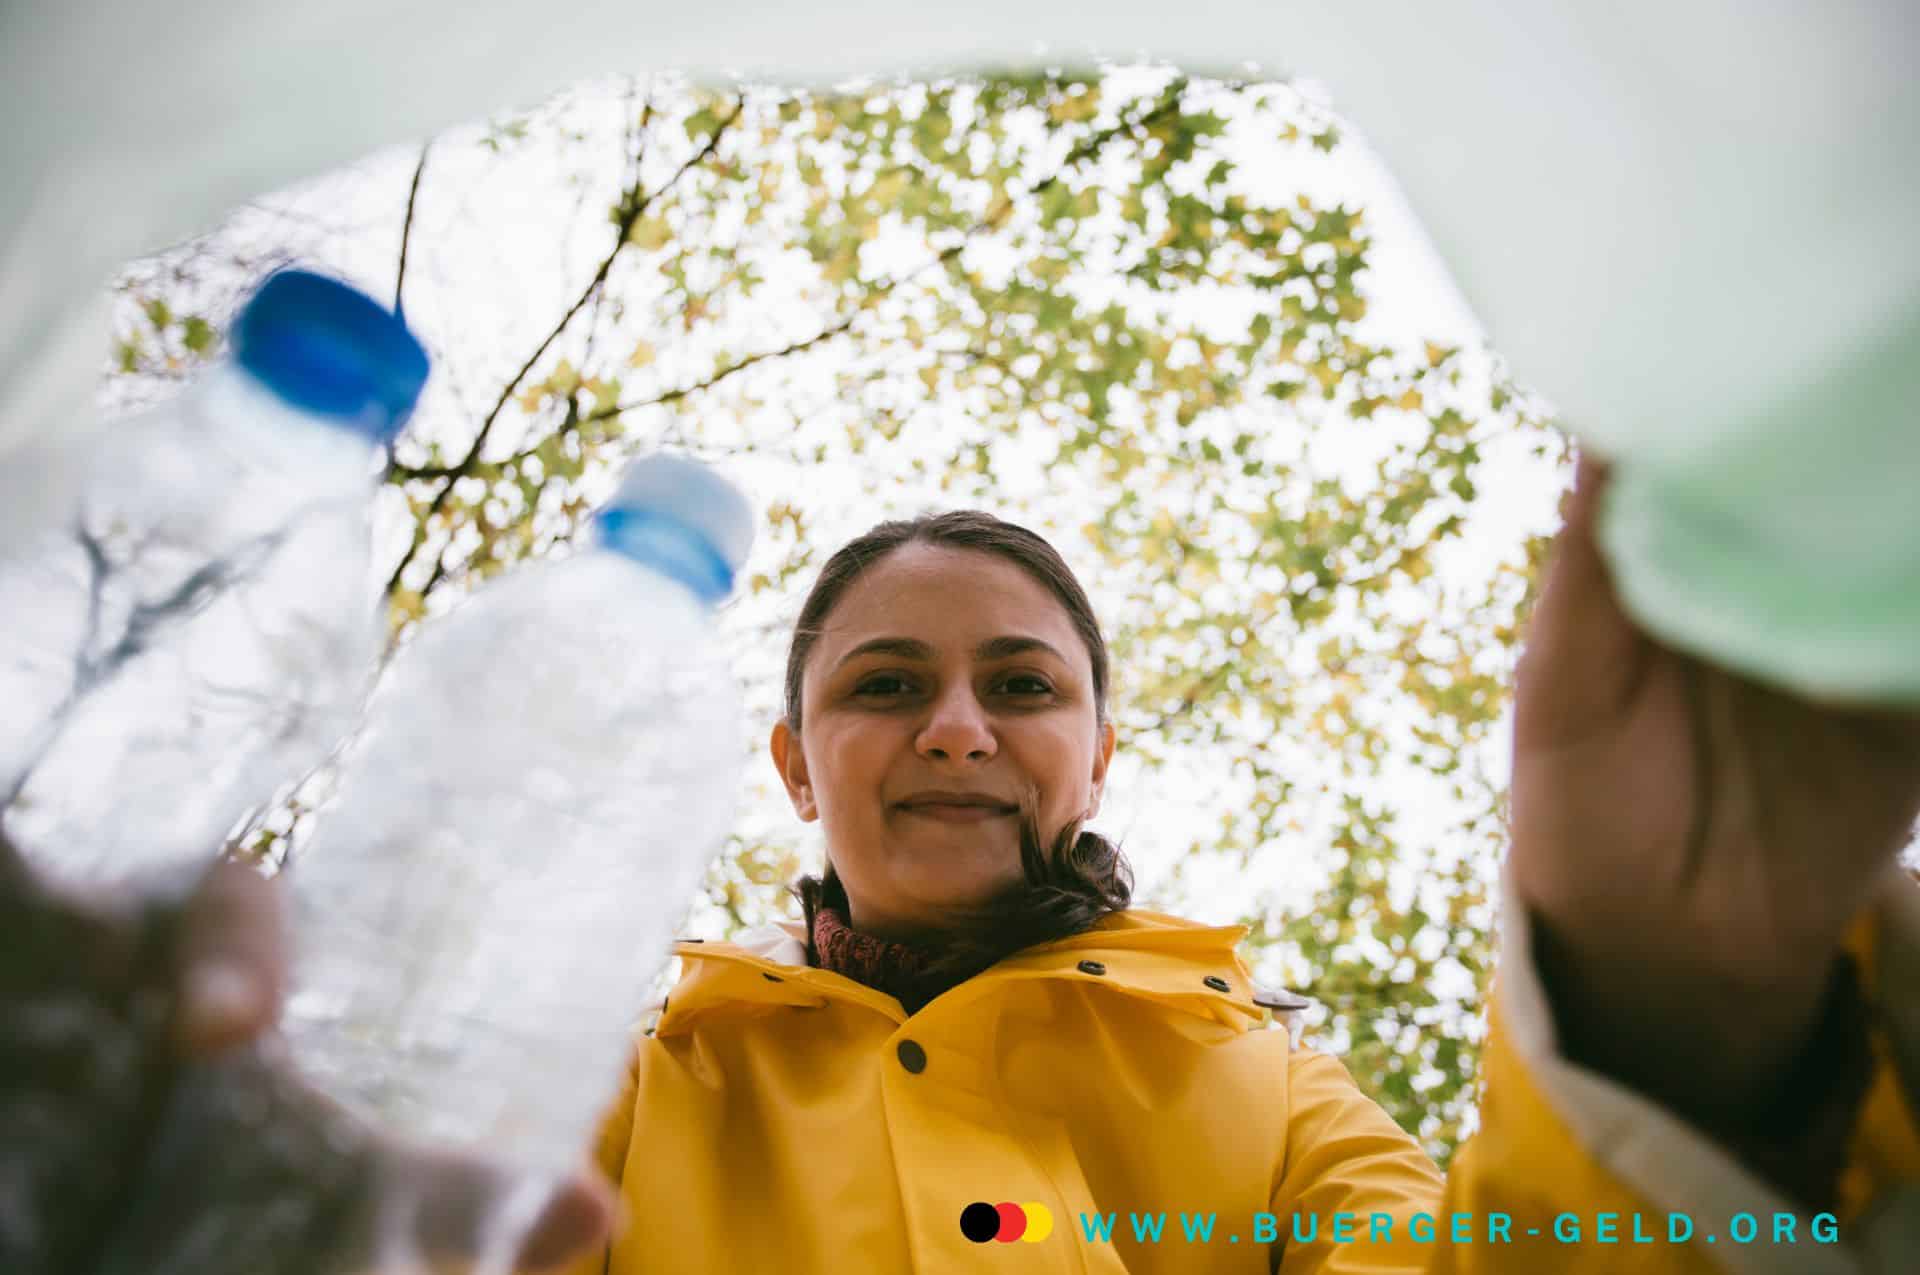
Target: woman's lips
<point x="955" y="812"/>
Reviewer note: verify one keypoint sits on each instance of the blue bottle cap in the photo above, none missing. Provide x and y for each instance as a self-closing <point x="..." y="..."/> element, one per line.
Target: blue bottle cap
<point x="682" y="518"/>
<point x="331" y="350"/>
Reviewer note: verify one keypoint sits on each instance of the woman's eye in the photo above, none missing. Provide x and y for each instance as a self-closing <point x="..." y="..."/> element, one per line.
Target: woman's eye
<point x="1022" y="684"/>
<point x="882" y="686"/>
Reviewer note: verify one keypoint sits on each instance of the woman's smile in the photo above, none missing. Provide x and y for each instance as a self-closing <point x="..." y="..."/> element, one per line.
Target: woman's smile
<point x="955" y="812"/>
<point x="952" y="806"/>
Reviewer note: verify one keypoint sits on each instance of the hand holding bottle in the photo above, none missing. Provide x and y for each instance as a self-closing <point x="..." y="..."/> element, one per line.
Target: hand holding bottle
<point x="254" y="1171"/>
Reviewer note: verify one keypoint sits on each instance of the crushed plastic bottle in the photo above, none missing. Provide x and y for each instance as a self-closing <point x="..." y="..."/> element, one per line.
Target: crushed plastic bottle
<point x="528" y="813"/>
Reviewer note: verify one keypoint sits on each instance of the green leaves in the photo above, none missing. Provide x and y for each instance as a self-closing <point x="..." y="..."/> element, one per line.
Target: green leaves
<point x="701" y="123"/>
<point x="1076" y="104"/>
<point x="197" y="334"/>
<point x="649" y="234"/>
<point x="156" y="338"/>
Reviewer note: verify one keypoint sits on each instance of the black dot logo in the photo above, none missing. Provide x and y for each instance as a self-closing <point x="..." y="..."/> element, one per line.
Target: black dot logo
<point x="980" y="1222"/>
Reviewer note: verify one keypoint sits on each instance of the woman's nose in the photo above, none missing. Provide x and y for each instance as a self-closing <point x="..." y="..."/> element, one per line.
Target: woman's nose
<point x="957" y="728"/>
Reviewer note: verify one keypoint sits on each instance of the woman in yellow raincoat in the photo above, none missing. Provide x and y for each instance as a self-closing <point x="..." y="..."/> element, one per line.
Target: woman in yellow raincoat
<point x="973" y="1055"/>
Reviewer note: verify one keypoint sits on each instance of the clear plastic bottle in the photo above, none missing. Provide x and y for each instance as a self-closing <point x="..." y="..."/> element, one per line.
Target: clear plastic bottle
<point x="543" y="778"/>
<point x="200" y="625"/>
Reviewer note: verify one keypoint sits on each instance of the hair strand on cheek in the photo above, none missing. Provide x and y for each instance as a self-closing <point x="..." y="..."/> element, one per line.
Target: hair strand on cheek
<point x="1040" y="862"/>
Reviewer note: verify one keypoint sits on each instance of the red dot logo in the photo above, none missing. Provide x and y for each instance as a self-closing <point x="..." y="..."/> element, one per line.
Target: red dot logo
<point x="1028" y="1222"/>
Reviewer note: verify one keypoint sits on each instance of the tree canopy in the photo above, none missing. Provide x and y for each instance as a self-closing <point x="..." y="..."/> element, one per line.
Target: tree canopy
<point x="1127" y="307"/>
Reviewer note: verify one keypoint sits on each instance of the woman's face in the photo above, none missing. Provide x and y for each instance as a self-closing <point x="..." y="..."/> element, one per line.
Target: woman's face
<point x="945" y="684"/>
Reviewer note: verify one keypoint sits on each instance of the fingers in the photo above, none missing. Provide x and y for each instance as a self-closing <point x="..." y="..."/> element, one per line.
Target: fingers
<point x="1583" y="655"/>
<point x="466" y="1206"/>
<point x="253" y="1168"/>
<point x="576" y="1217"/>
<point x="231" y="961"/>
<point x="1891" y="738"/>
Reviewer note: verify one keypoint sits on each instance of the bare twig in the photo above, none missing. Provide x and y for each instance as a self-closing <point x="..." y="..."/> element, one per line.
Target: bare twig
<point x="670" y="396"/>
<point x="406" y="229"/>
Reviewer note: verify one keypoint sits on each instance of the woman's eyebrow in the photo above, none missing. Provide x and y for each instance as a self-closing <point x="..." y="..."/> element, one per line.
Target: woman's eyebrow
<point x="1000" y="648"/>
<point x="996" y="648"/>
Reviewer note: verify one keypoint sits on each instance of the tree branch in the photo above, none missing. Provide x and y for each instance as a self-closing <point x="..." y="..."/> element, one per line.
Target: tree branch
<point x="671" y="396"/>
<point x="636" y="205"/>
<point x="406" y="229"/>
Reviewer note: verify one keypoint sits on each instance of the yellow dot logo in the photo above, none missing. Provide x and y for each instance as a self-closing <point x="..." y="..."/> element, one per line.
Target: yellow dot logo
<point x="1006" y="1222"/>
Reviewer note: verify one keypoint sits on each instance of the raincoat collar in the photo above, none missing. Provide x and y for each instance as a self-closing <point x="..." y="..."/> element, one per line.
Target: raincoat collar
<point x="1180" y="965"/>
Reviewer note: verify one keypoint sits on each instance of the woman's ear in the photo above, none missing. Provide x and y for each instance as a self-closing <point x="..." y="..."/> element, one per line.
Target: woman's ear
<point x="1102" y="755"/>
<point x="791" y="761"/>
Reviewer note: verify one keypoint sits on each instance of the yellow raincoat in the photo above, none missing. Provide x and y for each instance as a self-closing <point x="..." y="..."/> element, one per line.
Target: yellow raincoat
<point x="1132" y="1082"/>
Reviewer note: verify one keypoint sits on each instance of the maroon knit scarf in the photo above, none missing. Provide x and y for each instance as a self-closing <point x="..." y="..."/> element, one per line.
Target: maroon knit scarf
<point x="898" y="969"/>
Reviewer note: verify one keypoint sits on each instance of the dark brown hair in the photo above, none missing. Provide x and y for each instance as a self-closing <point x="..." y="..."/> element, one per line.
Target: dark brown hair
<point x="1070" y="884"/>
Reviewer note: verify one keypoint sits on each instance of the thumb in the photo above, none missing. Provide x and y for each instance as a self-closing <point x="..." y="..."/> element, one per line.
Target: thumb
<point x="462" y="1207"/>
<point x="230" y="963"/>
<point x="1583" y="656"/>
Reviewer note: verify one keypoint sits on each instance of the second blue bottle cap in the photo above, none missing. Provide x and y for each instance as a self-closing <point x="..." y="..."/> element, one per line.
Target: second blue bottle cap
<point x="680" y="517"/>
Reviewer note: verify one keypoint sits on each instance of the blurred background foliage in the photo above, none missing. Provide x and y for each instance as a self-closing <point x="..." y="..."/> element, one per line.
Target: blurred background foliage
<point x="1128" y="307"/>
